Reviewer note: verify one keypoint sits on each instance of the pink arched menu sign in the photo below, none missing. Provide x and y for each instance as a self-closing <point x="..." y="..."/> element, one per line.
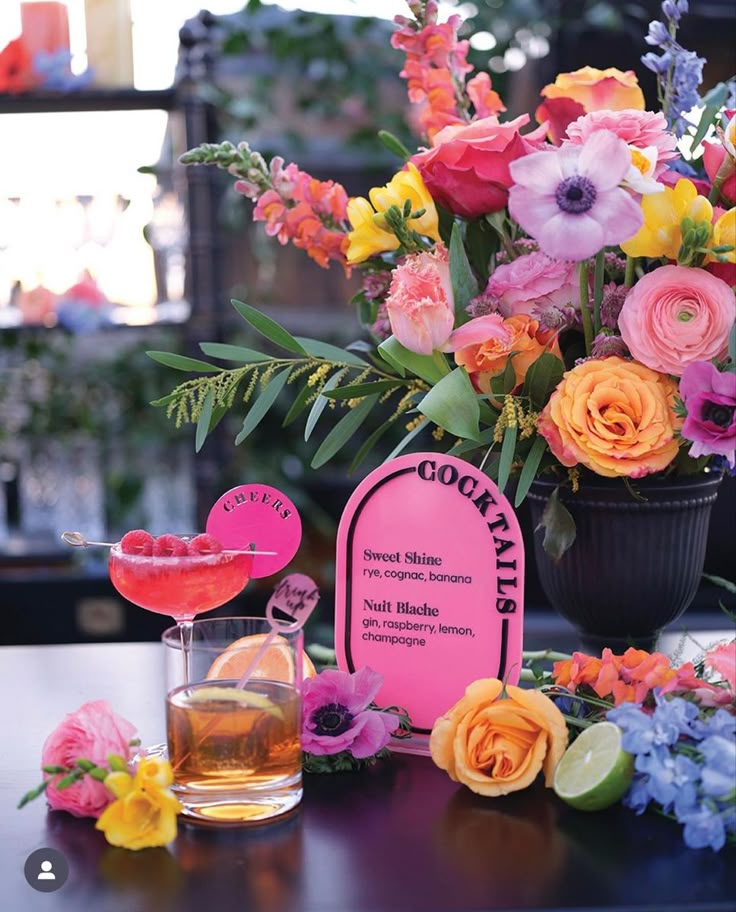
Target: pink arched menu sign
<point x="429" y="585"/>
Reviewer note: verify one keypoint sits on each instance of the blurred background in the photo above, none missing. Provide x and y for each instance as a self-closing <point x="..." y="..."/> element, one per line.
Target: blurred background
<point x="110" y="248"/>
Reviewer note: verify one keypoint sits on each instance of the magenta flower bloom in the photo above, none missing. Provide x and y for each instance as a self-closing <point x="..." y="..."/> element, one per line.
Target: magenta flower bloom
<point x="336" y="716"/>
<point x="570" y="200"/>
<point x="710" y="399"/>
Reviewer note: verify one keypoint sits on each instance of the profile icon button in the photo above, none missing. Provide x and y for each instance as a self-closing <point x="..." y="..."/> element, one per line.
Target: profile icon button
<point x="46" y="870"/>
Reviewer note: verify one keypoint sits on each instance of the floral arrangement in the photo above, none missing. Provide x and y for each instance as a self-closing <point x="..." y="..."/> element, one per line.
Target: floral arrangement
<point x="87" y="761"/>
<point x="548" y="299"/>
<point x="678" y="728"/>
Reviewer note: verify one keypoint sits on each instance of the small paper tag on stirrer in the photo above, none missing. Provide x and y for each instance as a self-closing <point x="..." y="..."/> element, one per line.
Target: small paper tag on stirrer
<point x="292" y="602"/>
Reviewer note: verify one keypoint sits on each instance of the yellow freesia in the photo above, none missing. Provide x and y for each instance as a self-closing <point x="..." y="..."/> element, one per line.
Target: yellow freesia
<point x="368" y="238"/>
<point x="144" y="814"/>
<point x="661" y="233"/>
<point x="724" y="232"/>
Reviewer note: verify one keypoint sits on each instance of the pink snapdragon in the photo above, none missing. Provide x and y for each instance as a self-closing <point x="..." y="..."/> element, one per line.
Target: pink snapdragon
<point x="337" y="715"/>
<point x="420" y="301"/>
<point x="570" y="200"/>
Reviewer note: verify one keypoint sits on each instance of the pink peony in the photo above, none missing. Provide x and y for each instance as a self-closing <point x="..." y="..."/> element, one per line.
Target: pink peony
<point x="420" y="301"/>
<point x="722" y="660"/>
<point x="677" y="315"/>
<point x="336" y="715"/>
<point x="641" y="129"/>
<point x="710" y="399"/>
<point x="92" y="732"/>
<point x="531" y="280"/>
<point x="467" y="168"/>
<point x="570" y="201"/>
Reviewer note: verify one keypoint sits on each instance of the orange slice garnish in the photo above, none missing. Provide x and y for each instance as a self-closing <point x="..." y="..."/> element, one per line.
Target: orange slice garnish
<point x="276" y="664"/>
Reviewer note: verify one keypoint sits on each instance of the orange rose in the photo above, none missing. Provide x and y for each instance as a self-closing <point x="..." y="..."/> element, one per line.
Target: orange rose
<point x="496" y="740"/>
<point x="614" y="416"/>
<point x="484" y="355"/>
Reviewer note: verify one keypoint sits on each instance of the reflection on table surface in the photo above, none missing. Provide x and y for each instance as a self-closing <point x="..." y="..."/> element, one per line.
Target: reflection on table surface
<point x="398" y="838"/>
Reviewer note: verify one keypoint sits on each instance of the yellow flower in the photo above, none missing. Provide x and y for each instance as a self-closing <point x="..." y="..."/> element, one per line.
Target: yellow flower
<point x="724" y="232"/>
<point x="144" y="814"/>
<point x="367" y="238"/>
<point x="661" y="233"/>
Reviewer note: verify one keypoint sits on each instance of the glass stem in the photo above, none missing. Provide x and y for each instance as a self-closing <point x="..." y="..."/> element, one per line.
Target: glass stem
<point x="185" y="632"/>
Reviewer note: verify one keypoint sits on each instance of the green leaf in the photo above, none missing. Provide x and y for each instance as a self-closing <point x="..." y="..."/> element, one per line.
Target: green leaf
<point x="406" y="440"/>
<point x="541" y="379"/>
<point x="720" y="581"/>
<point x="182" y="363"/>
<point x="368" y="445"/>
<point x="298" y="405"/>
<point x="558" y="525"/>
<point x="356" y="390"/>
<point x="453" y="405"/>
<point x="343" y="431"/>
<point x="321" y="401"/>
<point x="233" y="352"/>
<point x="394" y="145"/>
<point x="732" y="349"/>
<point x="262" y="404"/>
<point x="269" y="328"/>
<point x="481" y="242"/>
<point x="485" y="438"/>
<point x="508" y="450"/>
<point x="329" y="352"/>
<point x="203" y="422"/>
<point x="529" y="471"/>
<point x="464" y="283"/>
<point x="427" y="367"/>
<point x="712" y="101"/>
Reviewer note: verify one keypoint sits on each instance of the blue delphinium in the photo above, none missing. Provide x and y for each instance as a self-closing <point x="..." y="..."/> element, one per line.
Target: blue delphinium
<point x="685" y="763"/>
<point x="679" y="72"/>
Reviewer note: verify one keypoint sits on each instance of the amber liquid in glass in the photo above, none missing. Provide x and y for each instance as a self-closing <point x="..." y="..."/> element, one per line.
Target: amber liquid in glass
<point x="235" y="753"/>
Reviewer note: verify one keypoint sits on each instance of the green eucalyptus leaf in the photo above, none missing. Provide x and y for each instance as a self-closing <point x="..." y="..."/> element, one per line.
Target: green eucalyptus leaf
<point x="452" y="403"/>
<point x="321" y="401"/>
<point x="406" y="440"/>
<point x="529" y="471"/>
<point x="262" y="404"/>
<point x="238" y="353"/>
<point x="298" y="405"/>
<point x="464" y="283"/>
<point x="356" y="390"/>
<point x="329" y="352"/>
<point x="558" y="525"/>
<point x="367" y="446"/>
<point x="343" y="431"/>
<point x="269" y="328"/>
<point x="508" y="450"/>
<point x="182" y="363"/>
<point x="428" y="367"/>
<point x="203" y="422"/>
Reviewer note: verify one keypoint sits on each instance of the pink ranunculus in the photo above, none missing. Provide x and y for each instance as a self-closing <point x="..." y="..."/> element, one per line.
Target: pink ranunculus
<point x="92" y="732"/>
<point x="533" y="280"/>
<point x="676" y="315"/>
<point x="420" y="301"/>
<point x="641" y="129"/>
<point x="467" y="169"/>
<point x="336" y="715"/>
<point x="709" y="396"/>
<point x="722" y="660"/>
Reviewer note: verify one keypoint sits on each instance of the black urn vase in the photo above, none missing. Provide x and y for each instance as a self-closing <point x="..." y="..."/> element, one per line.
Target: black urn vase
<point x="636" y="561"/>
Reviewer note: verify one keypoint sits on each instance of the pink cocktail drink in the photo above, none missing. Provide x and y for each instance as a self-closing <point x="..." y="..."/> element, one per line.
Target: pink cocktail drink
<point x="183" y="586"/>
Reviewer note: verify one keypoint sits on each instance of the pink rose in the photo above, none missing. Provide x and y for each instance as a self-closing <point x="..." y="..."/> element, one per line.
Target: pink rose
<point x="676" y="315"/>
<point x="533" y="280"/>
<point x="420" y="301"/>
<point x="92" y="732"/>
<point x="467" y="168"/>
<point x="641" y="129"/>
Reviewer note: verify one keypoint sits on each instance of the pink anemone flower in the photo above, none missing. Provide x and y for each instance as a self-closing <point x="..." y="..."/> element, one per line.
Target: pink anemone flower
<point x="570" y="200"/>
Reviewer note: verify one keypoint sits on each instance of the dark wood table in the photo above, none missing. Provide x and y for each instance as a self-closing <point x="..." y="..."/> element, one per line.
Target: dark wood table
<point x="398" y="838"/>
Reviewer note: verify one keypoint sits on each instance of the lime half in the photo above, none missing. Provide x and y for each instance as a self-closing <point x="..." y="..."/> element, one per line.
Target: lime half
<point x="595" y="771"/>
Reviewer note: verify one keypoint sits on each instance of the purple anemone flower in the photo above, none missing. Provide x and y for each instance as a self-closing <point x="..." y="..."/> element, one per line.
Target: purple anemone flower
<point x="570" y="201"/>
<point x="710" y="399"/>
<point x="336" y="715"/>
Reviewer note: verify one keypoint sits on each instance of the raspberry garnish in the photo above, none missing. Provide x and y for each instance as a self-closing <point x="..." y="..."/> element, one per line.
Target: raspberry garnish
<point x="168" y="545"/>
<point x="137" y="541"/>
<point x="205" y="544"/>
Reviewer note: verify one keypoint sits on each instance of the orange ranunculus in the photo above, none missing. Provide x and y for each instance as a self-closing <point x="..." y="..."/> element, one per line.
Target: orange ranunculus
<point x="497" y="739"/>
<point x="484" y="354"/>
<point x="614" y="416"/>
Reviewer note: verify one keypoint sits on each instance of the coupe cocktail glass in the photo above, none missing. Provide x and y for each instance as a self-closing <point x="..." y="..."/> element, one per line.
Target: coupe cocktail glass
<point x="182" y="586"/>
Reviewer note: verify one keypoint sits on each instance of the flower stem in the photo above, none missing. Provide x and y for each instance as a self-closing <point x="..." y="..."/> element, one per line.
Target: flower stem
<point x="544" y="655"/>
<point x="629" y="274"/>
<point x="598" y="289"/>
<point x="584" y="306"/>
